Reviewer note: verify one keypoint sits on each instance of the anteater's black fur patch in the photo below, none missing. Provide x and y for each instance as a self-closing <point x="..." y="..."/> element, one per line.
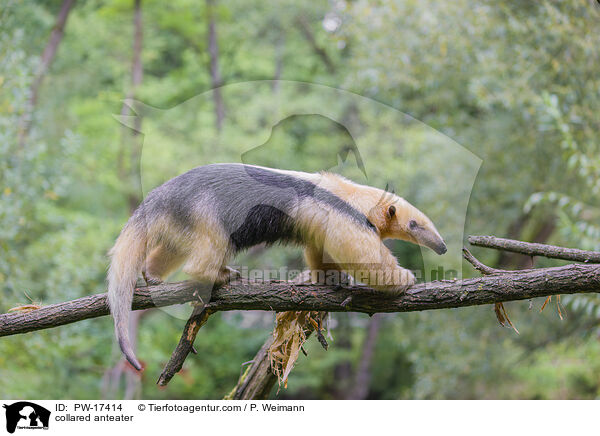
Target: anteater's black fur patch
<point x="265" y="224"/>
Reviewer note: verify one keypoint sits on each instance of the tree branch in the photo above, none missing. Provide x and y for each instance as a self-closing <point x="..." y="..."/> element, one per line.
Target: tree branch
<point x="284" y="296"/>
<point x="306" y="31"/>
<point x="258" y="380"/>
<point x="532" y="249"/>
<point x="483" y="269"/>
<point x="186" y="344"/>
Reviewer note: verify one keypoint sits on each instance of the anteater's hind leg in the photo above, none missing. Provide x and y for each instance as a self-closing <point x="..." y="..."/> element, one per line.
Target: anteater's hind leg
<point x="207" y="260"/>
<point x="161" y="262"/>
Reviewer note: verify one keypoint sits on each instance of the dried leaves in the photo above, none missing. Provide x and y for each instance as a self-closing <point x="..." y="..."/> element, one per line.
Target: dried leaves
<point x="35" y="305"/>
<point x="502" y="316"/>
<point x="290" y="333"/>
<point x="25" y="308"/>
<point x="505" y="321"/>
<point x="548" y="299"/>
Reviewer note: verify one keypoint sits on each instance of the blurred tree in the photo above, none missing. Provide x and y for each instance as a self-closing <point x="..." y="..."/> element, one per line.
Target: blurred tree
<point x="45" y="62"/>
<point x="215" y="74"/>
<point x="515" y="83"/>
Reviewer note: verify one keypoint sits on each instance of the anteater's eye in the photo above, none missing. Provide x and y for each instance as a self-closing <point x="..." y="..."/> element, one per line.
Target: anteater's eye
<point x="413" y="224"/>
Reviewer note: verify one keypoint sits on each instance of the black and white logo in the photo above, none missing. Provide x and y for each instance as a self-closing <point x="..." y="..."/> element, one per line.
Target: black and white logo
<point x="26" y="415"/>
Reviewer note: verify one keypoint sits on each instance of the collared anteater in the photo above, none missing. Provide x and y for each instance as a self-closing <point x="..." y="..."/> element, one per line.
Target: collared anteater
<point x="202" y="218"/>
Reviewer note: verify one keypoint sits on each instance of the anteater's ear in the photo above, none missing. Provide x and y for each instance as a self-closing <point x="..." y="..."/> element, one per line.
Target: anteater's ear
<point x="391" y="211"/>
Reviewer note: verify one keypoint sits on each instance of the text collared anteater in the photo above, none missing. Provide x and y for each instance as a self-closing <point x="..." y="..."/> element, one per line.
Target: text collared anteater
<point x="200" y="219"/>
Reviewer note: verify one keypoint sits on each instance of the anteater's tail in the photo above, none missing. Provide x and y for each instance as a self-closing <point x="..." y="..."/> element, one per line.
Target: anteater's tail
<point x="128" y="255"/>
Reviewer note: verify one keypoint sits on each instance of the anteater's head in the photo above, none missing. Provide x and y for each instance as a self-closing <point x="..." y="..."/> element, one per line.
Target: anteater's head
<point x="398" y="219"/>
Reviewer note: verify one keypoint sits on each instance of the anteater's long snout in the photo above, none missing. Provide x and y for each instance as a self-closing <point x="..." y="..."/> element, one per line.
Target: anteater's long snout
<point x="429" y="238"/>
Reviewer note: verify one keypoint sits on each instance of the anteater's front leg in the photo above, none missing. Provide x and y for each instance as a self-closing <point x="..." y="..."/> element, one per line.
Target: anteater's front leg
<point x="372" y="263"/>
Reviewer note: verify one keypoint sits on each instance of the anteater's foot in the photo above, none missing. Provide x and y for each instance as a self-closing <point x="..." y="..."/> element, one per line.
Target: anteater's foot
<point x="228" y="274"/>
<point x="151" y="281"/>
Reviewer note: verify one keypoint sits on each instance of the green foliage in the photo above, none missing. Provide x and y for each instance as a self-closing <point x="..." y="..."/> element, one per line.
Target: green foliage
<point x="516" y="84"/>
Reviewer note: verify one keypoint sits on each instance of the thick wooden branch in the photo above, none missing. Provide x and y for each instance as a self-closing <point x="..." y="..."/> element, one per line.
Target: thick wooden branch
<point x="284" y="296"/>
<point x="93" y="306"/>
<point x="531" y="249"/>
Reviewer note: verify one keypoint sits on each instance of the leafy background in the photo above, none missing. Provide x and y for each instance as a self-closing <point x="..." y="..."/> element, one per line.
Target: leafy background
<point x="514" y="83"/>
